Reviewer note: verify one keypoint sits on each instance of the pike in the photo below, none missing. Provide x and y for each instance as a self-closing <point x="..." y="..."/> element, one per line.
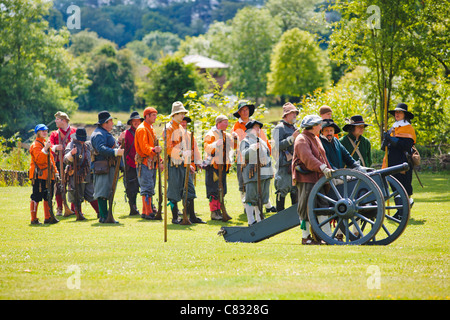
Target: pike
<point x="158" y="213"/>
<point x="225" y="216"/>
<point x="76" y="181"/>
<point x="110" y="218"/>
<point x="187" y="161"/>
<point x="258" y="175"/>
<point x="50" y="189"/>
<point x="165" y="183"/>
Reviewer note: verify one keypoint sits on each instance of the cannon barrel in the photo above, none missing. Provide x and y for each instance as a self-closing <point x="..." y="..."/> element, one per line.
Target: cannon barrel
<point x="391" y="170"/>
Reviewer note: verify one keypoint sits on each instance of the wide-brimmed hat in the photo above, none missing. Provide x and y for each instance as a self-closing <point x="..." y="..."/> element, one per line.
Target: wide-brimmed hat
<point x="187" y="119"/>
<point x="40" y="127"/>
<point x="310" y="121"/>
<point x="81" y="134"/>
<point x="251" y="123"/>
<point x="177" y="107"/>
<point x="62" y="115"/>
<point x="354" y="121"/>
<point x="104" y="116"/>
<point x="402" y="107"/>
<point x="244" y="103"/>
<point x="288" y="108"/>
<point x="134" y="115"/>
<point x="330" y="123"/>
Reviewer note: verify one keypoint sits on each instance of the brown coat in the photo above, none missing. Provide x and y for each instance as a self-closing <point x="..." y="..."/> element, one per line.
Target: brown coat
<point x="310" y="155"/>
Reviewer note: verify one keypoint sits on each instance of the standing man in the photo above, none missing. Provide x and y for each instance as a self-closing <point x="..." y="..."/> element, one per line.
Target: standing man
<point x="337" y="155"/>
<point x="105" y="149"/>
<point x="81" y="184"/>
<point x="148" y="158"/>
<point x="243" y="114"/>
<point x="59" y="139"/>
<point x="214" y="150"/>
<point x="179" y="151"/>
<point x="284" y="135"/>
<point x="355" y="143"/>
<point x="126" y="140"/>
<point x="249" y="150"/>
<point x="308" y="166"/>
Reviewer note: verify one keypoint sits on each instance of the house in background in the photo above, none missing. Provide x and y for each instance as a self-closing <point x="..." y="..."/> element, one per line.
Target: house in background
<point x="214" y="67"/>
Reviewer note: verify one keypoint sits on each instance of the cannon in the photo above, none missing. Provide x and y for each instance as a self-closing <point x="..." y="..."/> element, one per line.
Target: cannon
<point x="361" y="208"/>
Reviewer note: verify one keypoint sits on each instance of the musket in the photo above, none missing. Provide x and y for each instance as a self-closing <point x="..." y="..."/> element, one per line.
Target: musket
<point x="165" y="183"/>
<point x="258" y="175"/>
<point x="124" y="159"/>
<point x="76" y="181"/>
<point x="50" y="189"/>
<point x="158" y="169"/>
<point x="187" y="161"/>
<point x="67" y="211"/>
<point x="222" y="168"/>
<point x="110" y="218"/>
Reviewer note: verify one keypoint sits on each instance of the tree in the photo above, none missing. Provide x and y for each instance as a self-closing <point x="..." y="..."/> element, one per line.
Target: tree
<point x="389" y="38"/>
<point x="169" y="79"/>
<point x="37" y="75"/>
<point x="254" y="33"/>
<point x="298" y="66"/>
<point x="112" y="76"/>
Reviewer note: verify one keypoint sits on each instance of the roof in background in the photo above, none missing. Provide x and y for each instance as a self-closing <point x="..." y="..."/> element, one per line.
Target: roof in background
<point x="204" y="62"/>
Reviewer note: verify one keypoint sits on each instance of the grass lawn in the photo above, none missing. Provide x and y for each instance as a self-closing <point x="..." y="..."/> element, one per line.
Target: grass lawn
<point x="131" y="261"/>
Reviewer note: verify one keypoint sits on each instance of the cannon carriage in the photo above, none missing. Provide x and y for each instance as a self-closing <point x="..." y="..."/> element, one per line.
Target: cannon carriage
<point x="360" y="208"/>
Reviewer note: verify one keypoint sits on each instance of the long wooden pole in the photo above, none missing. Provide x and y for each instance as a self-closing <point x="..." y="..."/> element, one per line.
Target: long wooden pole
<point x="165" y="183"/>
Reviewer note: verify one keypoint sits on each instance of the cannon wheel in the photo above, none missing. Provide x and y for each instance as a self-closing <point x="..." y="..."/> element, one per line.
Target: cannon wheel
<point x="347" y="208"/>
<point x="396" y="215"/>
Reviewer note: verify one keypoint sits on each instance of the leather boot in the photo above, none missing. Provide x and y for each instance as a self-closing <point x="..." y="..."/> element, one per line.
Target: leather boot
<point x="280" y="203"/>
<point x="132" y="203"/>
<point x="192" y="217"/>
<point x="174" y="208"/>
<point x="47" y="215"/>
<point x="103" y="209"/>
<point x="33" y="210"/>
<point x="78" y="213"/>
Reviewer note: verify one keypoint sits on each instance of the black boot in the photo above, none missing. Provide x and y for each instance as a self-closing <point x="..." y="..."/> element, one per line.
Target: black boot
<point x="132" y="203"/>
<point x="192" y="217"/>
<point x="174" y="213"/>
<point x="280" y="203"/>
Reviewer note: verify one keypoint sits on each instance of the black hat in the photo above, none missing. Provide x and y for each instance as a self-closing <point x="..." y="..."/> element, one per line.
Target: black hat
<point x="251" y="123"/>
<point x="354" y="121"/>
<point x="187" y="119"/>
<point x="134" y="115"/>
<point x="81" y="134"/>
<point x="104" y="116"/>
<point x="402" y="107"/>
<point x="244" y="103"/>
<point x="330" y="123"/>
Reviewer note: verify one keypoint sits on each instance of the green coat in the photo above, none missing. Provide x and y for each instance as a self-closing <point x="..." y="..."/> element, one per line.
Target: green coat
<point x="364" y="148"/>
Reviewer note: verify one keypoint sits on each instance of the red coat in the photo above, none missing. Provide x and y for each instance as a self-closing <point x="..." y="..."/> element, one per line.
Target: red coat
<point x="55" y="137"/>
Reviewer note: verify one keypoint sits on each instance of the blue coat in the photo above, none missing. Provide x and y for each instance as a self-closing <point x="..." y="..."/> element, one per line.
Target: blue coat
<point x="103" y="143"/>
<point x="337" y="154"/>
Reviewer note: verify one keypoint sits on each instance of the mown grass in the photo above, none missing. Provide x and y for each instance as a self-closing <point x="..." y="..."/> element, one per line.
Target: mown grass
<point x="131" y="261"/>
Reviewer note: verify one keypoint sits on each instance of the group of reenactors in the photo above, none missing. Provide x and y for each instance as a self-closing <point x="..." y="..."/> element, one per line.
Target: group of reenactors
<point x="67" y="162"/>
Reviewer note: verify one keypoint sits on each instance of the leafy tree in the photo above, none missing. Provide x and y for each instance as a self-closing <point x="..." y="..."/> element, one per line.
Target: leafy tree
<point x="169" y="78"/>
<point x="112" y="75"/>
<point x="37" y="75"/>
<point x="389" y="38"/>
<point x="254" y="33"/>
<point x="298" y="66"/>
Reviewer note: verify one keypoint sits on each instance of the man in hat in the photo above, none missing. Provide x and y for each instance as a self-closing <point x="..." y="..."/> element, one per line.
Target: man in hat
<point x="337" y="155"/>
<point x="355" y="143"/>
<point x="214" y="150"/>
<point x="105" y="150"/>
<point x="38" y="174"/>
<point x="148" y="158"/>
<point x="59" y="139"/>
<point x="82" y="184"/>
<point x="325" y="112"/>
<point x="308" y="166"/>
<point x="284" y="135"/>
<point x="249" y="150"/>
<point x="126" y="140"/>
<point x="243" y="114"/>
<point x="179" y="151"/>
<point x="399" y="140"/>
